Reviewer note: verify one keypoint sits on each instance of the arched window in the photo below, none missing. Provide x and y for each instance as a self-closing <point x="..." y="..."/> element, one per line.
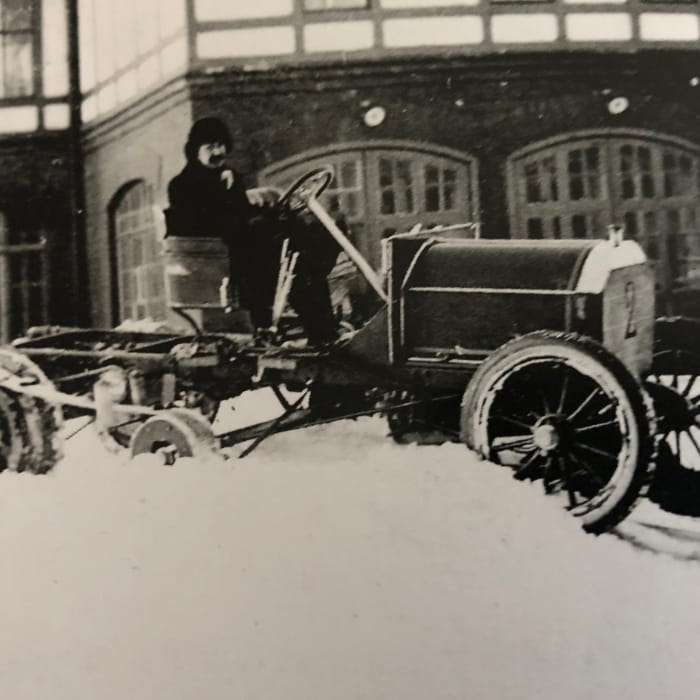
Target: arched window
<point x="385" y="187"/>
<point x="24" y="280"/>
<point x="139" y="262"/>
<point x="574" y="186"/>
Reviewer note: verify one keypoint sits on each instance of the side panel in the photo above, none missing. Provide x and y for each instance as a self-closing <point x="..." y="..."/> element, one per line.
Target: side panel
<point x="628" y="316"/>
<point x="470" y="320"/>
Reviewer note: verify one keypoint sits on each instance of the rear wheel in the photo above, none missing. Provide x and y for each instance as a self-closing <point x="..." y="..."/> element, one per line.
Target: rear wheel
<point x="674" y="385"/>
<point x="560" y="408"/>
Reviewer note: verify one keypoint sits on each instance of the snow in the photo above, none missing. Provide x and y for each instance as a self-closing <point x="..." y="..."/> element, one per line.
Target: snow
<point x="332" y="564"/>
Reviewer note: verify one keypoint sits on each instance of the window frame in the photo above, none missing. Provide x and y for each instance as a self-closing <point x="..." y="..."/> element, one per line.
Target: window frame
<point x="147" y="264"/>
<point x="366" y="5"/>
<point x="31" y="34"/>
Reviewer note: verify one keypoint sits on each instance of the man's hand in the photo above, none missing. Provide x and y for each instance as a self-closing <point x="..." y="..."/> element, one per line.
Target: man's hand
<point x="263" y="196"/>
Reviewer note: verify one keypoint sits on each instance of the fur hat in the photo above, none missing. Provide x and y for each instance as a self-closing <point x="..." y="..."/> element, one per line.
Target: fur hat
<point x="206" y="130"/>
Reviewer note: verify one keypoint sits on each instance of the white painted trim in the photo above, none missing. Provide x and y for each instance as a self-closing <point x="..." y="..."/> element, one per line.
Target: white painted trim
<point x="602" y="260"/>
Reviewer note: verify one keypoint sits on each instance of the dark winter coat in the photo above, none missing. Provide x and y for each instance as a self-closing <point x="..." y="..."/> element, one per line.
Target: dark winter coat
<point x="202" y="206"/>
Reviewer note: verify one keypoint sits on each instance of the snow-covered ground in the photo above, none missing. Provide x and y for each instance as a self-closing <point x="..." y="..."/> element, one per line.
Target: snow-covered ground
<point x="332" y="564"/>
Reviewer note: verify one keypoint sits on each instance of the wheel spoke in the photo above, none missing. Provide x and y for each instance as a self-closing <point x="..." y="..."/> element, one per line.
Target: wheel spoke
<point x="693" y="440"/>
<point x="585" y="403"/>
<point x="513" y="443"/>
<point x="674" y="376"/>
<point x="597" y="451"/>
<point x="677" y="440"/>
<point x="605" y="409"/>
<point x="686" y="392"/>
<point x="512" y="421"/>
<point x="525" y="469"/>
<point x="566" y="474"/>
<point x="595" y="426"/>
<point x="545" y="403"/>
<point x="587" y="468"/>
<point x="564" y="389"/>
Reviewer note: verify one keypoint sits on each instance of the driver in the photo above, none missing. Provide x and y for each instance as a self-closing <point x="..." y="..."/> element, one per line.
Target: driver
<point x="208" y="199"/>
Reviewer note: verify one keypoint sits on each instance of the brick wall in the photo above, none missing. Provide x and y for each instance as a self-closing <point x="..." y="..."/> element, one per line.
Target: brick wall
<point x="487" y="107"/>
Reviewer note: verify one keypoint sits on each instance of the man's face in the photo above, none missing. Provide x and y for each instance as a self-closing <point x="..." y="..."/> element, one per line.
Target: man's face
<point x="212" y="155"/>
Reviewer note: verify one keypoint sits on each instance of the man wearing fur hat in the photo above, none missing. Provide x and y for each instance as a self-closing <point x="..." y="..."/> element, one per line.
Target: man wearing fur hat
<point x="208" y="199"/>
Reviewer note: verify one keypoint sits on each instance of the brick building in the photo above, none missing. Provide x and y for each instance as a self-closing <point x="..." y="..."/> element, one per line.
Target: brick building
<point x="540" y="119"/>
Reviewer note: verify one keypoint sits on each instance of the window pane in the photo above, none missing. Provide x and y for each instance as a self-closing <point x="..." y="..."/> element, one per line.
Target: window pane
<point x="404" y="177"/>
<point x="534" y="228"/>
<point x="556" y="227"/>
<point x="348" y="174"/>
<point x="54" y="38"/>
<point x="16" y="15"/>
<point x="432" y="198"/>
<point x="18" y="65"/>
<point x="141" y="274"/>
<point x="578" y="226"/>
<point x="448" y="189"/>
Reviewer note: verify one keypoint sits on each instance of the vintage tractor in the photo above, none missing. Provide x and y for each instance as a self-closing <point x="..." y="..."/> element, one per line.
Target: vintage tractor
<point x="542" y="356"/>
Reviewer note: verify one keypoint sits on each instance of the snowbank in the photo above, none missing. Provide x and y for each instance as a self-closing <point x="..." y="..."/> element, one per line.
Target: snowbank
<point x="329" y="564"/>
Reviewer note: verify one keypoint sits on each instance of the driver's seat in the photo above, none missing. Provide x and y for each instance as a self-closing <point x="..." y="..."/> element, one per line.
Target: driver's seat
<point x="197" y="273"/>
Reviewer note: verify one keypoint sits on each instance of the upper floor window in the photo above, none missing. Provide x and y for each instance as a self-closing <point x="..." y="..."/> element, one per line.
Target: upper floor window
<point x="16" y="38"/>
<point x="334" y="4"/>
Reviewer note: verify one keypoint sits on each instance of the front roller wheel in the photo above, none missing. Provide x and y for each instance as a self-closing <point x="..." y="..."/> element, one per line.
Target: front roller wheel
<point x="561" y="408"/>
<point x="175" y="433"/>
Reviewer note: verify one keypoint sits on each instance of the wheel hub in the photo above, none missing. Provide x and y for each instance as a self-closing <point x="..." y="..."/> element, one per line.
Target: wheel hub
<point x="546" y="437"/>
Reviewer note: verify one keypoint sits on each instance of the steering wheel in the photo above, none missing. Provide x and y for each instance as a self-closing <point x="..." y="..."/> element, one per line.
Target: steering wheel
<point x="311" y="184"/>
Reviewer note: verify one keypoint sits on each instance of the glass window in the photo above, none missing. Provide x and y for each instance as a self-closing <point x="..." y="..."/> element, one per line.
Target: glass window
<point x="440" y="188"/>
<point x="23" y="281"/>
<point x="541" y="180"/>
<point x="54" y="51"/>
<point x="16" y="49"/>
<point x="140" y="272"/>
<point x="652" y="187"/>
<point x="396" y="183"/>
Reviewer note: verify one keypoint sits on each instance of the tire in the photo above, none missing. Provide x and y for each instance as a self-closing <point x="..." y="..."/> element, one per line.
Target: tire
<point x="561" y="408"/>
<point x="37" y="421"/>
<point x="674" y="385"/>
<point x="14" y="440"/>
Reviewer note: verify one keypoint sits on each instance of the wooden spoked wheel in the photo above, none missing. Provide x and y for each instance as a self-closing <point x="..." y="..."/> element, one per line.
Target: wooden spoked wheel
<point x="677" y="392"/>
<point x="560" y="408"/>
<point x="674" y="383"/>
